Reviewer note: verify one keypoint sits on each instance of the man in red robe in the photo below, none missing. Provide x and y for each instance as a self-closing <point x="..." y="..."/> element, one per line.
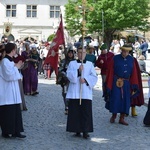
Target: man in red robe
<point x="103" y="62"/>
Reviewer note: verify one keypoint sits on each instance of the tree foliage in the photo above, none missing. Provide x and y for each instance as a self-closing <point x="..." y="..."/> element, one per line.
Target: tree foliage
<point x="51" y="37"/>
<point x="117" y="15"/>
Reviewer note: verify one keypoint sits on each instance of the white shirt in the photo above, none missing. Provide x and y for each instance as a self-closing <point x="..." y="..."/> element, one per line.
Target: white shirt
<point x="136" y="45"/>
<point x="121" y="42"/>
<point x="117" y="49"/>
<point x="148" y="45"/>
<point x="45" y="52"/>
<point x="41" y="53"/>
<point x="95" y="42"/>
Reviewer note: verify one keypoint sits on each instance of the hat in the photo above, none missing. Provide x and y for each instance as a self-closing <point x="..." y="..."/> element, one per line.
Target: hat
<point x="91" y="46"/>
<point x="141" y="57"/>
<point x="126" y="47"/>
<point x="33" y="46"/>
<point x="103" y="46"/>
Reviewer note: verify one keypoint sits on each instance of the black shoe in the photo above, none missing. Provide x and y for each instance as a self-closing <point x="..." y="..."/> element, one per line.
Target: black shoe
<point x="78" y="134"/>
<point x="146" y="125"/>
<point x="25" y="109"/>
<point x="35" y="93"/>
<point x="5" y="135"/>
<point x="19" y="135"/>
<point x="85" y="135"/>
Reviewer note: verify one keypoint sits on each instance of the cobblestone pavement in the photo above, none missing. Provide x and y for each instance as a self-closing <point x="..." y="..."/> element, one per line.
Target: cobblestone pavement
<point x="45" y="125"/>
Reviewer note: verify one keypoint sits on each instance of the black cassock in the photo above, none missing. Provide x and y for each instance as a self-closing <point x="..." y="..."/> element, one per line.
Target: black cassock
<point x="80" y="116"/>
<point x="146" y="120"/>
<point x="11" y="119"/>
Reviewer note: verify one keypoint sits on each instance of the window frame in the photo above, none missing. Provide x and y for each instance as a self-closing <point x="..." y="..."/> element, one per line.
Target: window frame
<point x="54" y="11"/>
<point x="31" y="12"/>
<point x="11" y="12"/>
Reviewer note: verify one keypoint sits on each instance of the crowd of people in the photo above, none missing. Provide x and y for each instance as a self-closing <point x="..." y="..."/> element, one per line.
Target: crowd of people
<point x="122" y="86"/>
<point x="22" y="62"/>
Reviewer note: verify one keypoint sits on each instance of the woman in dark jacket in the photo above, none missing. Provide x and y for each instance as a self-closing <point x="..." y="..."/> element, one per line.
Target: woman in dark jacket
<point x="62" y="79"/>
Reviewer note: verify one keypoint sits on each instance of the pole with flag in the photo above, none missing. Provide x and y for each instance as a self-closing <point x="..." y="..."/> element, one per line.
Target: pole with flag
<point x="52" y="56"/>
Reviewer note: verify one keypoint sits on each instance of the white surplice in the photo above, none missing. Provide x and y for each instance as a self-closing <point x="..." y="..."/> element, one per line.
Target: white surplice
<point x="88" y="73"/>
<point x="9" y="87"/>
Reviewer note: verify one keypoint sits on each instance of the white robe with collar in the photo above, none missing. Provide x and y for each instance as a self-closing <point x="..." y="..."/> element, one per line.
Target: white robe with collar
<point x="88" y="73"/>
<point x="9" y="87"/>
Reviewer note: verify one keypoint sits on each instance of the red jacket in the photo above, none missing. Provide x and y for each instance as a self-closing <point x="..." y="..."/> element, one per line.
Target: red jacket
<point x="107" y="59"/>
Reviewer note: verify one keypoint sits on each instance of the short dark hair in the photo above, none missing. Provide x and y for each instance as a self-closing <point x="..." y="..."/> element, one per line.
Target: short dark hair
<point x="9" y="47"/>
<point x="79" y="48"/>
<point x="2" y="48"/>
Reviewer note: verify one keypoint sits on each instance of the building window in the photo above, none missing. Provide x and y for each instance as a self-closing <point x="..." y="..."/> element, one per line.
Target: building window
<point x="31" y="11"/>
<point x="10" y="10"/>
<point x="54" y="11"/>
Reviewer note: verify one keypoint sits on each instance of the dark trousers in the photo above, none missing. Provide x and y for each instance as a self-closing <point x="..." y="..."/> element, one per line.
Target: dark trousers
<point x="144" y="54"/>
<point x="96" y="49"/>
<point x="40" y="66"/>
<point x="64" y="91"/>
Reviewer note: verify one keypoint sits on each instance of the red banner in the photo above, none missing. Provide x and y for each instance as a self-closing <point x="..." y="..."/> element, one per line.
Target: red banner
<point x="52" y="56"/>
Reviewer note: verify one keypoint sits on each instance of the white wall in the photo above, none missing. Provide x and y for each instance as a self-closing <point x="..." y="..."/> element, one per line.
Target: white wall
<point x="39" y="27"/>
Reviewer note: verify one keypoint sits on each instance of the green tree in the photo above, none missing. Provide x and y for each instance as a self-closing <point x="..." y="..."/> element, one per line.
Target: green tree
<point x="50" y="38"/>
<point x="117" y="15"/>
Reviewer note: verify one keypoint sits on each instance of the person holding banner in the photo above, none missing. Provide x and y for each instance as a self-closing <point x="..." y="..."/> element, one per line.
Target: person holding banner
<point x="53" y="53"/>
<point x="82" y="77"/>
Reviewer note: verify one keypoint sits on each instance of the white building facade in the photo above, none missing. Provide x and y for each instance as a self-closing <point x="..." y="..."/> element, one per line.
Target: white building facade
<point x="26" y="19"/>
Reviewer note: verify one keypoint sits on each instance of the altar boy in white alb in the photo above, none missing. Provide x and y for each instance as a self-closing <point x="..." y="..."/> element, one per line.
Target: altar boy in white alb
<point x="10" y="99"/>
<point x="82" y="79"/>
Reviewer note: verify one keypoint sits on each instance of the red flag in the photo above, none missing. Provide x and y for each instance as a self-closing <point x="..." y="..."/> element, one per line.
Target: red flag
<point x="52" y="56"/>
